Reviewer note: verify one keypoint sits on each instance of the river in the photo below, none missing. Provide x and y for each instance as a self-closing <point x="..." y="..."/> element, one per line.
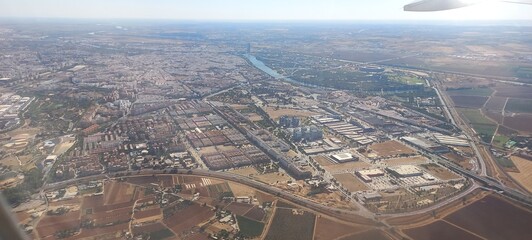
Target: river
<point x="260" y="65"/>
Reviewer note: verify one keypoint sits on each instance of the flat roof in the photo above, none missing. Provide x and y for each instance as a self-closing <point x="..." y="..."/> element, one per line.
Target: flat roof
<point x="405" y="169"/>
<point x="370" y="172"/>
<point x="342" y="156"/>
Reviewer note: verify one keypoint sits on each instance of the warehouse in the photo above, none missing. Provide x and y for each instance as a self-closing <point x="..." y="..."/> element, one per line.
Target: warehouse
<point x="404" y="171"/>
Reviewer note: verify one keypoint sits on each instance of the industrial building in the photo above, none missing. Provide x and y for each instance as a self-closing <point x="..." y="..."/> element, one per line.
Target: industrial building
<point x="449" y="140"/>
<point x="405" y="171"/>
<point x="366" y="175"/>
<point x="344" y="157"/>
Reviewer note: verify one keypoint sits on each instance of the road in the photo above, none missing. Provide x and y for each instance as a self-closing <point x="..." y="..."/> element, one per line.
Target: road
<point x="342" y="214"/>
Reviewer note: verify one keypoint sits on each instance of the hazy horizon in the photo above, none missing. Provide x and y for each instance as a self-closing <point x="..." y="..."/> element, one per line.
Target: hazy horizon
<point x="258" y="10"/>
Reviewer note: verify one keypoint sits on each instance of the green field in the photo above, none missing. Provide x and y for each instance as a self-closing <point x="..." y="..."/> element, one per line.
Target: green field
<point x="485" y="131"/>
<point x="472" y="92"/>
<point x="474" y="116"/>
<point x="484" y="127"/>
<point x="161" y="234"/>
<point x="500" y="140"/>
<point x="409" y="80"/>
<point x="248" y="227"/>
<point x="505" y="162"/>
<point x="518" y="105"/>
<point x="524" y="72"/>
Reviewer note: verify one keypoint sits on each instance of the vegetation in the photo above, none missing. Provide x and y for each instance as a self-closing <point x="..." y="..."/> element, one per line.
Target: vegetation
<point x="406" y="79"/>
<point x="249" y="228"/>
<point x="161" y="234"/>
<point x="485" y="131"/>
<point x="484" y="127"/>
<point x="500" y="140"/>
<point x="505" y="162"/>
<point x="20" y="193"/>
<point x="472" y="91"/>
<point x="524" y="72"/>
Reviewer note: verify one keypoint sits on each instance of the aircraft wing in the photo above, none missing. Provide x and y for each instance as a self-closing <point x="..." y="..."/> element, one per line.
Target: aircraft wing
<point x="440" y="5"/>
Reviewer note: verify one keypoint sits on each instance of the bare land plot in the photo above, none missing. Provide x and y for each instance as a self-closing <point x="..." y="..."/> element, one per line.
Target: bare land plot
<point x="519" y="122"/>
<point x="189" y="217"/>
<point x="117" y="192"/>
<point x="458" y="159"/>
<point x="439" y="172"/>
<point x="373" y="234"/>
<point x="272" y="178"/>
<point x="276" y="113"/>
<point x="496" y="103"/>
<point x="439" y="230"/>
<point x="245" y="171"/>
<point x="346" y="166"/>
<point x="505" y="90"/>
<point x="239" y="208"/>
<point x="328" y="229"/>
<point x="495" y="116"/>
<point x="49" y="225"/>
<point x="524" y="176"/>
<point x="323" y="160"/>
<point x="391" y="148"/>
<point x="351" y="182"/>
<point x="494" y="218"/>
<point x="406" y="160"/>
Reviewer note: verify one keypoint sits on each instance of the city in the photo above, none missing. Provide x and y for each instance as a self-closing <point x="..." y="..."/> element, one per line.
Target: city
<point x="266" y="131"/>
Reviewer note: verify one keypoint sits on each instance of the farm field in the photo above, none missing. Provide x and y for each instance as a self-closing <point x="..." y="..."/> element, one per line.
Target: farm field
<point x="493" y="218"/>
<point x="248" y="227"/>
<point x="512" y="91"/>
<point x="496" y="103"/>
<point x="291" y="223"/>
<point x="519" y="122"/>
<point x="469" y="101"/>
<point x="471" y="92"/>
<point x="327" y="229"/>
<point x="49" y="225"/>
<point x="484" y="127"/>
<point x="518" y="105"/>
<point x="439" y="230"/>
<point x="239" y="208"/>
<point x="494" y="115"/>
<point x="390" y="148"/>
<point x="351" y="182"/>
<point x="187" y="218"/>
<point x="474" y="116"/>
<point x="500" y="140"/>
<point x="117" y="192"/>
<point x="524" y="176"/>
<point x="370" y="234"/>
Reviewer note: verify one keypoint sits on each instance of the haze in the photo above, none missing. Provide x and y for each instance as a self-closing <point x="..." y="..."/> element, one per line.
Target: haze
<point x="253" y="10"/>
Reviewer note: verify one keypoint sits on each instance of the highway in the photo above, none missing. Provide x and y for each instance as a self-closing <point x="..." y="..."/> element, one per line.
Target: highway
<point x="342" y="214"/>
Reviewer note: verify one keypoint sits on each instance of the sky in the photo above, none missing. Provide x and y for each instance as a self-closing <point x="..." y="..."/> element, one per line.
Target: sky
<point x="254" y="10"/>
